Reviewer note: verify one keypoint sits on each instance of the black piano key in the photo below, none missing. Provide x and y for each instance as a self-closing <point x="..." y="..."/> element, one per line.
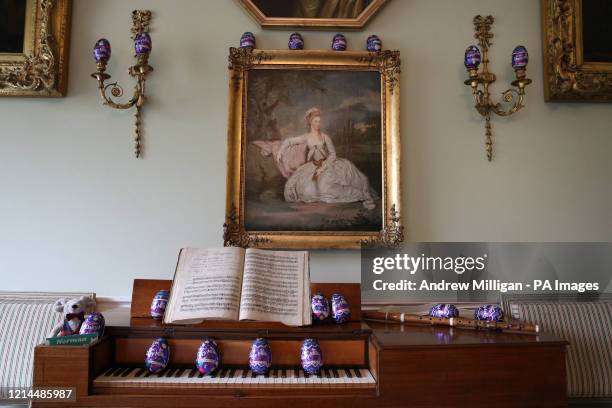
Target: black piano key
<point x="231" y="373"/>
<point x="357" y="372"/>
<point x="296" y="371"/>
<point x="127" y="372"/>
<point x="245" y="373"/>
<point x="214" y="374"/>
<point x="318" y="374"/>
<point x="119" y="371"/>
<point x="267" y="374"/>
<point x="335" y="373"/>
<point x="178" y="373"/>
<point x="327" y="373"/>
<point x="283" y="373"/>
<point x="170" y="373"/>
<point x="223" y="373"/>
<point x="109" y="371"/>
<point x="139" y="372"/>
<point x="253" y="375"/>
<point x="193" y="372"/>
<point x="348" y="373"/>
<point x="148" y="374"/>
<point x="162" y="373"/>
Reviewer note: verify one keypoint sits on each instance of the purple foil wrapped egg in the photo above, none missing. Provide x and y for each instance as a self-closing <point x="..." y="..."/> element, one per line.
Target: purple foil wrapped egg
<point x="142" y="43"/>
<point x="93" y="323"/>
<point x="339" y="43"/>
<point x="489" y="312"/>
<point x="260" y="357"/>
<point x="341" y="311"/>
<point x="374" y="44"/>
<point x="158" y="355"/>
<point x="320" y="307"/>
<point x="444" y="310"/>
<point x="247" y="40"/>
<point x="159" y="303"/>
<point x="102" y="50"/>
<point x="208" y="357"/>
<point x="296" y="42"/>
<point x="311" y="356"/>
<point x="520" y="57"/>
<point x="472" y="57"/>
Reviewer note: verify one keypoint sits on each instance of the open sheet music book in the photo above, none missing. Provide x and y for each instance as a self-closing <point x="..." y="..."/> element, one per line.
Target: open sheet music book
<point x="240" y="284"/>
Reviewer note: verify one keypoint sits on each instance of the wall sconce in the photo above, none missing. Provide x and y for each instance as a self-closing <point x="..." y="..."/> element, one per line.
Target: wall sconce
<point x="142" y="47"/>
<point x="480" y="81"/>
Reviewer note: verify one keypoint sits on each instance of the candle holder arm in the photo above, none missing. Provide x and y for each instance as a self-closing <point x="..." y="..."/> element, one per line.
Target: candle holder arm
<point x="512" y="99"/>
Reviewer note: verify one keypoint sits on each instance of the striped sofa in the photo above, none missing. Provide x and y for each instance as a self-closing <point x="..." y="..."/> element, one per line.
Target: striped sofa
<point x="25" y="320"/>
<point x="586" y="323"/>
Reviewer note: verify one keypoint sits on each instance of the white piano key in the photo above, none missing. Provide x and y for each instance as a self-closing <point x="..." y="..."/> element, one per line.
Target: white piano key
<point x="232" y="381"/>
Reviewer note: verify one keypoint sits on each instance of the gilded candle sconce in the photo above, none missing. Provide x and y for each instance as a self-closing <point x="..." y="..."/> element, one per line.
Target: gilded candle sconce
<point x="480" y="81"/>
<point x="142" y="48"/>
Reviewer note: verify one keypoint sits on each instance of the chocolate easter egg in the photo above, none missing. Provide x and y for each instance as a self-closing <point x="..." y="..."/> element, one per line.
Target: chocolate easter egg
<point x="520" y="57"/>
<point x="472" y="57"/>
<point x="339" y="43"/>
<point x="489" y="312"/>
<point x="93" y="323"/>
<point x="444" y="310"/>
<point x="320" y="307"/>
<point x="159" y="303"/>
<point x="373" y="43"/>
<point x="142" y="43"/>
<point x="208" y="357"/>
<point x="341" y="311"/>
<point x="102" y="50"/>
<point x="260" y="357"/>
<point x="311" y="356"/>
<point x="296" y="42"/>
<point x="247" y="40"/>
<point x="158" y="355"/>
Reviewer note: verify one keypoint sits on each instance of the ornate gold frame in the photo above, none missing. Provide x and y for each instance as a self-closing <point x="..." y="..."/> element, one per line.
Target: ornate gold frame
<point x="566" y="76"/>
<point x="313" y="23"/>
<point x="241" y="61"/>
<point x="43" y="68"/>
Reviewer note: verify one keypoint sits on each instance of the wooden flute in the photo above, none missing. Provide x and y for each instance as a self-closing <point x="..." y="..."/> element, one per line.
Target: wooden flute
<point x="458" y="322"/>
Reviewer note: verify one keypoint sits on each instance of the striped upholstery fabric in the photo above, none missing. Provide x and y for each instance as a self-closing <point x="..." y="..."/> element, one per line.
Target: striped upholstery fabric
<point x="25" y="321"/>
<point x="588" y="328"/>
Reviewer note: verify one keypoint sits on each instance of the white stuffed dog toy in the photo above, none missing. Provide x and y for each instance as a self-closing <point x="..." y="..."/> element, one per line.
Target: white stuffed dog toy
<point x="74" y="314"/>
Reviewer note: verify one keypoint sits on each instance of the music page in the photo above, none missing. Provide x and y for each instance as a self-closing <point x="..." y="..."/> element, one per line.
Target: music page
<point x="206" y="285"/>
<point x="276" y="287"/>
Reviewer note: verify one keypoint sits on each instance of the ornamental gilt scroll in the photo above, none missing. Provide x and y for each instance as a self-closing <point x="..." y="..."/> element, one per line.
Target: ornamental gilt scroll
<point x="38" y="65"/>
<point x="570" y="73"/>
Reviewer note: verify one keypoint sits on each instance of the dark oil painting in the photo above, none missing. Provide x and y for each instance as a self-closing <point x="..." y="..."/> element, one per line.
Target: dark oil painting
<point x="12" y="26"/>
<point x="597" y="30"/>
<point x="313" y="150"/>
<point x="312" y="8"/>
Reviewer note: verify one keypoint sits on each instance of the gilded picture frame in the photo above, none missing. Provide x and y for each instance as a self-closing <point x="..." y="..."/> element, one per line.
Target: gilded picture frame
<point x="339" y="21"/>
<point x="568" y="75"/>
<point x="41" y="70"/>
<point x="247" y="65"/>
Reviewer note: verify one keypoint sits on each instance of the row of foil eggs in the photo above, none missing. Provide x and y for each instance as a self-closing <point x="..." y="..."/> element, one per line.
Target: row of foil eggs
<point x="296" y="42"/>
<point x="208" y="356"/>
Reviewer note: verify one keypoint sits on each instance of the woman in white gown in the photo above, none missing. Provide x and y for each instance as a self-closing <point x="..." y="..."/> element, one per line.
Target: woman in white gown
<point x="324" y="177"/>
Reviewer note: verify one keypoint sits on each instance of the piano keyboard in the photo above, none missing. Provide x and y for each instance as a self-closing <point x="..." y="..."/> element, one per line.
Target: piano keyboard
<point x="236" y="378"/>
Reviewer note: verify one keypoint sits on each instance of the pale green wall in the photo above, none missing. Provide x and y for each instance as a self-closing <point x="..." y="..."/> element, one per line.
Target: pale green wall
<point x="78" y="212"/>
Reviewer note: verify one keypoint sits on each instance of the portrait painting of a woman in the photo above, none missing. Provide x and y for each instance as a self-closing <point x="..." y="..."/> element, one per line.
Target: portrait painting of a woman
<point x="313" y="154"/>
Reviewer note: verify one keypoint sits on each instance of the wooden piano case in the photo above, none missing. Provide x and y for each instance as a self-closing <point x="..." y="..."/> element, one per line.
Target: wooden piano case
<point x="407" y="366"/>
